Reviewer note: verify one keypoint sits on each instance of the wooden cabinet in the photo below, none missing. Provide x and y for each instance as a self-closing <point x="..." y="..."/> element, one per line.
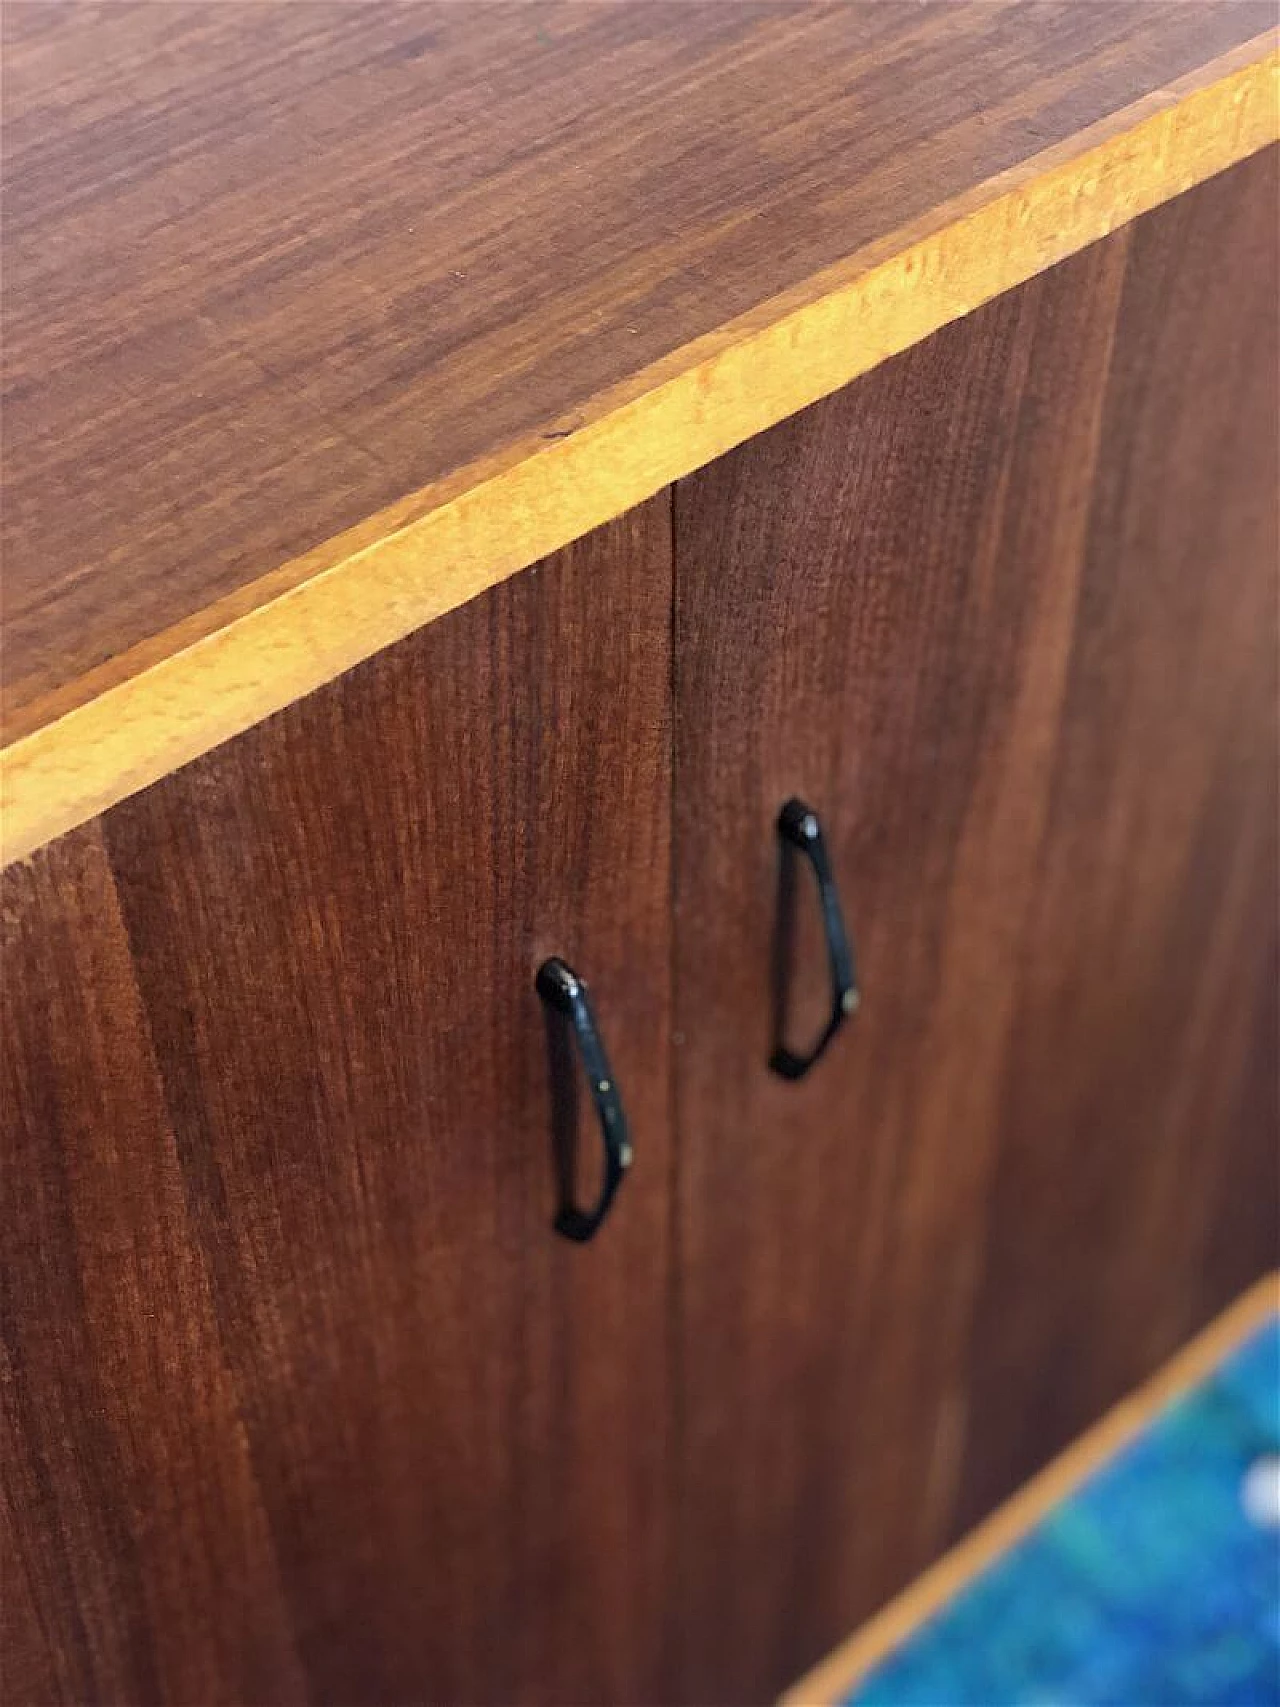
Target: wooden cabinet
<point x="305" y="1399"/>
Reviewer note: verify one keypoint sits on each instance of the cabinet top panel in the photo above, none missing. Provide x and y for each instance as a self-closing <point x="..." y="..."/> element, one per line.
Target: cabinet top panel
<point x="320" y="318"/>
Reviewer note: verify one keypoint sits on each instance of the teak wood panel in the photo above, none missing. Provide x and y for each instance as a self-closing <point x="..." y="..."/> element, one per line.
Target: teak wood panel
<point x="1088" y="144"/>
<point x="1004" y="614"/>
<point x="1135" y="1185"/>
<point x="304" y="1399"/>
<point x="268" y="272"/>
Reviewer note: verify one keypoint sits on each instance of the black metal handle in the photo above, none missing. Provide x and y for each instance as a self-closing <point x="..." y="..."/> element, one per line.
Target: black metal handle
<point x="799" y="828"/>
<point x="562" y="990"/>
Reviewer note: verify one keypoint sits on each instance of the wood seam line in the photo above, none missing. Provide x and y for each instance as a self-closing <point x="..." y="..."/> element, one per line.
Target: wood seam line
<point x="130" y="722"/>
<point x="835" y="1677"/>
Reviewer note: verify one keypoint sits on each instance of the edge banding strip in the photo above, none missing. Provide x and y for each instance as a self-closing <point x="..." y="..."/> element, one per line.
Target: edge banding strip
<point x="166" y="702"/>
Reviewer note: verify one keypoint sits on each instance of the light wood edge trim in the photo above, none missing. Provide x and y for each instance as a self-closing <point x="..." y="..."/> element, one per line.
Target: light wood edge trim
<point x="832" y="1680"/>
<point x="254" y="653"/>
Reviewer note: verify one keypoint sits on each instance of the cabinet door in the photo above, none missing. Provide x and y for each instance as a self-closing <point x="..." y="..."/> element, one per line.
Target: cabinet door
<point x="304" y="1398"/>
<point x="1004" y="614"/>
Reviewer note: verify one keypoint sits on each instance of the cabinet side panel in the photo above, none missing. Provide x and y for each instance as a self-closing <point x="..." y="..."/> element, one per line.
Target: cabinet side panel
<point x="1003" y="612"/>
<point x="453" y="1422"/>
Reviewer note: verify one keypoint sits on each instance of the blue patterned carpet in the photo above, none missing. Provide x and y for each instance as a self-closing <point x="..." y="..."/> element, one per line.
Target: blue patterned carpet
<point x="1156" y="1584"/>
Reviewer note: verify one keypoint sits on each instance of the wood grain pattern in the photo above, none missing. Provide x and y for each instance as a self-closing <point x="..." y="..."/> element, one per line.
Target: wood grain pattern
<point x="299" y="418"/>
<point x="304" y="1399"/>
<point x="840" y="1673"/>
<point x="1004" y="613"/>
<point x="138" y="1561"/>
<point x="1151" y="950"/>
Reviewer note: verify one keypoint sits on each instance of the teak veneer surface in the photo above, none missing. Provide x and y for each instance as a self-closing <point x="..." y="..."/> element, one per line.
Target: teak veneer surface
<point x="320" y="318"/>
<point x="1003" y="613"/>
<point x="301" y="1399"/>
